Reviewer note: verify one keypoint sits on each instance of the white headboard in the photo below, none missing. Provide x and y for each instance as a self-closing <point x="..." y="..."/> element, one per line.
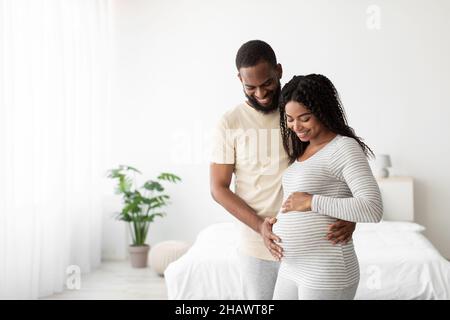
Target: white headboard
<point x="398" y="198"/>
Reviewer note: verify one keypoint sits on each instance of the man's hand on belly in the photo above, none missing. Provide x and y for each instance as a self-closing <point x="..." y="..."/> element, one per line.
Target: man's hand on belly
<point x="265" y="230"/>
<point x="341" y="231"/>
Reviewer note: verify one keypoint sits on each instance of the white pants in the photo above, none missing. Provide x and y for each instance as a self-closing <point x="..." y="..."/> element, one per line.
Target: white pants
<point x="258" y="277"/>
<point x="286" y="289"/>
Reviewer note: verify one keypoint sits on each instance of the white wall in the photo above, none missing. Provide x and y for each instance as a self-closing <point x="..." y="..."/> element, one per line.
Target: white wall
<point x="175" y="76"/>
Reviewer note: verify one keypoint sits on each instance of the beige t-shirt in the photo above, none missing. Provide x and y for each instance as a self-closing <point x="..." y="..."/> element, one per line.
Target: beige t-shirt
<point x="251" y="141"/>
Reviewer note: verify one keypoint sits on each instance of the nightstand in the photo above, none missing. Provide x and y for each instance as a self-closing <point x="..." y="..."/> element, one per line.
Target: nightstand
<point x="398" y="198"/>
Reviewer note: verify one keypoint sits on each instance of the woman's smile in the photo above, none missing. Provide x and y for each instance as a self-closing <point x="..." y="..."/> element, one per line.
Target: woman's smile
<point x="302" y="134"/>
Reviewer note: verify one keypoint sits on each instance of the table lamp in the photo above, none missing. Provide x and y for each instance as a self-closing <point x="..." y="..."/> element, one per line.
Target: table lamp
<point x="382" y="162"/>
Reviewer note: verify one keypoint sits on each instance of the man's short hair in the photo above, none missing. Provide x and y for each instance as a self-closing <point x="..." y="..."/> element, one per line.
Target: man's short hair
<point x="253" y="52"/>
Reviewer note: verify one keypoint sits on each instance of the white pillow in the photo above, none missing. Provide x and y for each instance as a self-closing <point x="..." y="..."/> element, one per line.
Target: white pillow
<point x="390" y="226"/>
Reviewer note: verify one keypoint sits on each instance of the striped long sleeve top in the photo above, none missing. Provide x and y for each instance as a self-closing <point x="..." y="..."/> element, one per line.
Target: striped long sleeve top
<point x="343" y="187"/>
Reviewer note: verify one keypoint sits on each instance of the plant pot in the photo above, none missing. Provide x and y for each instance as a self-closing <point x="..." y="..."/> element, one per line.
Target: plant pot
<point x="139" y="255"/>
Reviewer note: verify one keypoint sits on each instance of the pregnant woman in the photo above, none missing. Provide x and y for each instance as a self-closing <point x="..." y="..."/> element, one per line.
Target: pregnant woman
<point x="329" y="178"/>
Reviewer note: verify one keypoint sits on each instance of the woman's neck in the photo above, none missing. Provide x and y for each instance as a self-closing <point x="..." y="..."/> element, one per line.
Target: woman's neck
<point x="322" y="138"/>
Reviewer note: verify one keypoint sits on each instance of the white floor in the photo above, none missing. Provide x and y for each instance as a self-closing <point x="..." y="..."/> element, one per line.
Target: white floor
<point x="117" y="280"/>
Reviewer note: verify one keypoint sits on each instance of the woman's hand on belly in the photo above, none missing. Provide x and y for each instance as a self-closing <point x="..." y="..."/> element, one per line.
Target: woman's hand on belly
<point x="297" y="201"/>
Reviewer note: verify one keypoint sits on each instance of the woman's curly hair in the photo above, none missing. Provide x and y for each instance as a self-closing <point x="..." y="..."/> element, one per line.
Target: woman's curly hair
<point x="318" y="94"/>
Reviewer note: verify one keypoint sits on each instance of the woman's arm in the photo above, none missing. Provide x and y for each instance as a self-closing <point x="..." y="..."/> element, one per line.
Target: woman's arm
<point x="349" y="164"/>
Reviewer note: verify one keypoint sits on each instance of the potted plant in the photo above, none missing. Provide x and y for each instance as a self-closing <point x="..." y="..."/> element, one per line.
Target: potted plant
<point x="140" y="207"/>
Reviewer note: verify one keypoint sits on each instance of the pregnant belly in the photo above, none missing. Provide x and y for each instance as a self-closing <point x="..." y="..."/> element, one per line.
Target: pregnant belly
<point x="303" y="234"/>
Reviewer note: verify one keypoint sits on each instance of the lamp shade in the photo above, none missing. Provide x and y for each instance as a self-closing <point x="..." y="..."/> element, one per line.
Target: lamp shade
<point x="383" y="161"/>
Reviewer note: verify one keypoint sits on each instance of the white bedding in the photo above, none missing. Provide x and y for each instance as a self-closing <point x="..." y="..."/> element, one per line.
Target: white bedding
<point x="396" y="262"/>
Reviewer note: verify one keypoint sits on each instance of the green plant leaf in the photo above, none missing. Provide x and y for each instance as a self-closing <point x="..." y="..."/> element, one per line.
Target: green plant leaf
<point x="137" y="208"/>
<point x="169" y="177"/>
<point x="114" y="173"/>
<point x="129" y="168"/>
<point x="125" y="184"/>
<point x="161" y="199"/>
<point x="133" y="207"/>
<point x="159" y="214"/>
<point x="159" y="202"/>
<point x="124" y="216"/>
<point x="152" y="185"/>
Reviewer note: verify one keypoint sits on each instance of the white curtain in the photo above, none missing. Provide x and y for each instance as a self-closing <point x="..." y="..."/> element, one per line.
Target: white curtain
<point x="53" y="139"/>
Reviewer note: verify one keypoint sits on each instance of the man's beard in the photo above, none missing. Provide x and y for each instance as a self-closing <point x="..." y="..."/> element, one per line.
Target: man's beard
<point x="265" y="109"/>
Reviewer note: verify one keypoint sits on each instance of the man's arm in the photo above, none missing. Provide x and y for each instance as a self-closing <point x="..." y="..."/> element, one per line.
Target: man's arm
<point x="220" y="180"/>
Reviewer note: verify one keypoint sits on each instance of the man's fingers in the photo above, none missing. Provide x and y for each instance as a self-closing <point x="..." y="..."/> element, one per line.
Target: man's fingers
<point x="268" y="235"/>
<point x="274" y="237"/>
<point x="268" y="224"/>
<point x="337" y="225"/>
<point x="276" y="252"/>
<point x="337" y="233"/>
<point x="331" y="227"/>
<point x="276" y="247"/>
<point x="333" y="235"/>
<point x="271" y="237"/>
<point x="340" y="239"/>
<point x="340" y="232"/>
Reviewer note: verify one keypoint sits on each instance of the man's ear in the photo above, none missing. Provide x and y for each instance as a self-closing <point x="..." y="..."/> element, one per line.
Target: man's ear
<point x="279" y="71"/>
<point x="239" y="76"/>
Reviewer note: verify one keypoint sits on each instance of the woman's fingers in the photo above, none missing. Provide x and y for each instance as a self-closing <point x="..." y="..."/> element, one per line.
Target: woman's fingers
<point x="286" y="206"/>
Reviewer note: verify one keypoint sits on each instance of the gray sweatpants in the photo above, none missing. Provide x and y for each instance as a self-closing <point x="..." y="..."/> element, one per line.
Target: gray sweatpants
<point x="286" y="289"/>
<point x="260" y="281"/>
<point x="258" y="277"/>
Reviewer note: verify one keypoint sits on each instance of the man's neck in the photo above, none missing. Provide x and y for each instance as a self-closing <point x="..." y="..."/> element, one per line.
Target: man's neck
<point x="249" y="105"/>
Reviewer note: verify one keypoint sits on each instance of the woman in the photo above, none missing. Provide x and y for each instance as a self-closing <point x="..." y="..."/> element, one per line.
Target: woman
<point x="329" y="178"/>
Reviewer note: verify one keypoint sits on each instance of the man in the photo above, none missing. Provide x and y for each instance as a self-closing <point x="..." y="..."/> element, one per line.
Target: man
<point x="248" y="144"/>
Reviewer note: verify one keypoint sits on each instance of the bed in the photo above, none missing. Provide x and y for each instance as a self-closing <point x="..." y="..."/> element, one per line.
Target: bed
<point x="397" y="262"/>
